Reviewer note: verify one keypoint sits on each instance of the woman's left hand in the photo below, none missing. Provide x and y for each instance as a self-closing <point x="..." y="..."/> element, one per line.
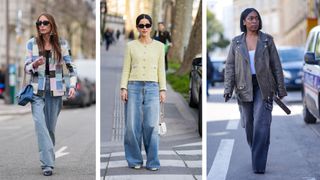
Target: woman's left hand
<point x="162" y="96"/>
<point x="72" y="92"/>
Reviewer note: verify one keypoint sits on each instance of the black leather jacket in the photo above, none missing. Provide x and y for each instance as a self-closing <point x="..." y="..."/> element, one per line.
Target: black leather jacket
<point x="267" y="65"/>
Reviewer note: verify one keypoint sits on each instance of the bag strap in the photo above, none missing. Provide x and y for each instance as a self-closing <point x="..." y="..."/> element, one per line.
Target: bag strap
<point x="161" y="112"/>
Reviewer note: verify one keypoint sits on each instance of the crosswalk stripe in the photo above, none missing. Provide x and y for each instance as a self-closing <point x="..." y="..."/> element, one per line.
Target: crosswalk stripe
<point x="189" y="152"/>
<point x="104" y="155"/>
<point x="220" y="165"/>
<point x="191" y="144"/>
<point x="232" y="125"/>
<point x="103" y="165"/>
<point x="194" y="164"/>
<point x="152" y="176"/>
<point x="166" y="163"/>
<point x="143" y="153"/>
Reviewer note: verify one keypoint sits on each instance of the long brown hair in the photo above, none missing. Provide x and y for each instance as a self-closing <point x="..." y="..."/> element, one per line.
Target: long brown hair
<point x="54" y="37"/>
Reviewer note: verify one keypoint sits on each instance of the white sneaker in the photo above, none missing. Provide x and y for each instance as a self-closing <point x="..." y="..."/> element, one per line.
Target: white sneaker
<point x="137" y="167"/>
<point x="153" y="169"/>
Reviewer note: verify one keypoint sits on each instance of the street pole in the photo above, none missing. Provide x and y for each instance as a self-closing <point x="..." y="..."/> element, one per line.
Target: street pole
<point x="7" y="89"/>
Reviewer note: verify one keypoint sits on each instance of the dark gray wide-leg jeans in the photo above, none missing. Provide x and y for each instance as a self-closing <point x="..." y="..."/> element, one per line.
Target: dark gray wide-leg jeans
<point x="256" y="117"/>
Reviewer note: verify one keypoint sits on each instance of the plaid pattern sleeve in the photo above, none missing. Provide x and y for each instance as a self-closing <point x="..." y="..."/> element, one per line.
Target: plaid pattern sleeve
<point x="30" y="57"/>
<point x="66" y="56"/>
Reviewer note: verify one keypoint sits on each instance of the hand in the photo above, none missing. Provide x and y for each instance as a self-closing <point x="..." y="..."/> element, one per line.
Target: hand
<point x="72" y="93"/>
<point x="162" y="96"/>
<point x="38" y="62"/>
<point x="280" y="97"/>
<point x="227" y="97"/>
<point x="124" y="95"/>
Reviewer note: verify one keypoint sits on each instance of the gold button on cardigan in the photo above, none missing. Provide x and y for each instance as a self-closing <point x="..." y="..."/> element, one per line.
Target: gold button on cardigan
<point x="144" y="63"/>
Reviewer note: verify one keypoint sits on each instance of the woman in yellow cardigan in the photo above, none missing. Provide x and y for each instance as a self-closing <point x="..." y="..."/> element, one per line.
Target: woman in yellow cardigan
<point x="143" y="87"/>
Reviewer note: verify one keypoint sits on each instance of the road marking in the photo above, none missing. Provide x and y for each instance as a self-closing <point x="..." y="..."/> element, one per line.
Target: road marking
<point x="220" y="165"/>
<point x="218" y="133"/>
<point x="143" y="153"/>
<point x="232" y="125"/>
<point x="60" y="152"/>
<point x="103" y="165"/>
<point x="190" y="152"/>
<point x="191" y="144"/>
<point x="151" y="176"/>
<point x="164" y="163"/>
<point x="194" y="164"/>
<point x="104" y="155"/>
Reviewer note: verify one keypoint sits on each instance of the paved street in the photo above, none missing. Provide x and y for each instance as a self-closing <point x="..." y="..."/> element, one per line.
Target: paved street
<point x="75" y="146"/>
<point x="180" y="150"/>
<point x="294" y="149"/>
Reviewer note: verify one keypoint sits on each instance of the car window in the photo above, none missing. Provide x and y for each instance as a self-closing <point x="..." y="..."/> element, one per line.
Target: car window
<point x="291" y="55"/>
<point x="317" y="47"/>
<point x="311" y="43"/>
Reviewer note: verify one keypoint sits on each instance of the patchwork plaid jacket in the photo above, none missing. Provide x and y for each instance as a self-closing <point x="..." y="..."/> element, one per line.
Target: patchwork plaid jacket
<point x="58" y="72"/>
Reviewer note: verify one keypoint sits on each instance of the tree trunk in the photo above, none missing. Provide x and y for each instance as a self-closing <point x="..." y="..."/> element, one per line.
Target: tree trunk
<point x="155" y="14"/>
<point x="179" y="29"/>
<point x="175" y="52"/>
<point x="195" y="44"/>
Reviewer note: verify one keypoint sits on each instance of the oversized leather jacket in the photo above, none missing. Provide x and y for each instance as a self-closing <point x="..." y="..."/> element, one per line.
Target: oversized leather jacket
<point x="267" y="65"/>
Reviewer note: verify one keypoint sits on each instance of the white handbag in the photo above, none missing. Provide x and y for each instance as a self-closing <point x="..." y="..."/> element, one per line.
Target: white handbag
<point x="162" y="124"/>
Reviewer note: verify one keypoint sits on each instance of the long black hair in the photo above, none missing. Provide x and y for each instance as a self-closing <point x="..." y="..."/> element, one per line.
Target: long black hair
<point x="244" y="15"/>
<point x="143" y="16"/>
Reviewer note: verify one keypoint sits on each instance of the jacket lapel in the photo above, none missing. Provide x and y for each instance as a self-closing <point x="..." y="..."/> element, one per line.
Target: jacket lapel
<point x="243" y="47"/>
<point x="260" y="45"/>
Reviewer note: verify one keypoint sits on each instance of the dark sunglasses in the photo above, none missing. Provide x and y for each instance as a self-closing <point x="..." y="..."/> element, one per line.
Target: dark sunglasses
<point x="45" y="23"/>
<point x="141" y="26"/>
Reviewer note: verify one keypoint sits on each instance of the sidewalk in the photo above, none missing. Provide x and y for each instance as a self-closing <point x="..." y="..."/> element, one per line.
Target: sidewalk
<point x="13" y="109"/>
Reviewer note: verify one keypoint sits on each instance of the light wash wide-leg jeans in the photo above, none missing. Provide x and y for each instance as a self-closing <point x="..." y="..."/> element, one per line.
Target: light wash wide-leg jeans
<point x="141" y="122"/>
<point x="45" y="111"/>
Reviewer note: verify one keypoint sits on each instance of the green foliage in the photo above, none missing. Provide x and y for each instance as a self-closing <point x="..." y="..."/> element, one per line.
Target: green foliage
<point x="215" y="36"/>
<point x="179" y="83"/>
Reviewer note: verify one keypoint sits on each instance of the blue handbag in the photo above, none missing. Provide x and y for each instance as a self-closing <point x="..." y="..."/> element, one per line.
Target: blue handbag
<point x="25" y="95"/>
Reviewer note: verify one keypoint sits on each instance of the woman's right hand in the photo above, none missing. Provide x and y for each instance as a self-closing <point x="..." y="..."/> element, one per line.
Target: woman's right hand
<point x="38" y="62"/>
<point x="124" y="95"/>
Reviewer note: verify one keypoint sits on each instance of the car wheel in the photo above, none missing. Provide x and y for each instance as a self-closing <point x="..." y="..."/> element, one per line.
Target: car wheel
<point x="192" y="102"/>
<point x="307" y="116"/>
<point x="200" y="114"/>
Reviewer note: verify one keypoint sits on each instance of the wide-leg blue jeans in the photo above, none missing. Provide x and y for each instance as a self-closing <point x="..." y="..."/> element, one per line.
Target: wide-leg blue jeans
<point x="257" y="118"/>
<point x="45" y="111"/>
<point x="141" y="122"/>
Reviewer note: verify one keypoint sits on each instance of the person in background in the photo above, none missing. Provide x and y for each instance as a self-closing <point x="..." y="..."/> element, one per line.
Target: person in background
<point x="254" y="70"/>
<point x="131" y="35"/>
<point x="163" y="36"/>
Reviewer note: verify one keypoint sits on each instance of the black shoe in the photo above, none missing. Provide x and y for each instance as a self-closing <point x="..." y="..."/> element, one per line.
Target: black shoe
<point x="259" y="172"/>
<point x="47" y="171"/>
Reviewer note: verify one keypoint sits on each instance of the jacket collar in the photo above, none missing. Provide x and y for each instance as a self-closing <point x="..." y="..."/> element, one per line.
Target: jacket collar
<point x="261" y="44"/>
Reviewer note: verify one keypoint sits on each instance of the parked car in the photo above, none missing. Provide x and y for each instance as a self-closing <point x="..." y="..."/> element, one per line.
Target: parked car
<point x="195" y="89"/>
<point x="292" y="62"/>
<point x="218" y="64"/>
<point x="86" y="70"/>
<point x="82" y="97"/>
<point x="311" y="77"/>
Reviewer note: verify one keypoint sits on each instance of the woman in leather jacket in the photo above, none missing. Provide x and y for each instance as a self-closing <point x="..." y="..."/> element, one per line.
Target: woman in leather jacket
<point x="254" y="70"/>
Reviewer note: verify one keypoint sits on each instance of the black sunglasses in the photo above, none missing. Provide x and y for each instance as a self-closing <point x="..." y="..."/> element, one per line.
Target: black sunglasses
<point x="45" y="23"/>
<point x="141" y="26"/>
